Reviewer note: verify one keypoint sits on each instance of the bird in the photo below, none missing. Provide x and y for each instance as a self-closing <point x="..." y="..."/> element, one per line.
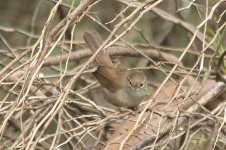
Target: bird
<point x="121" y="87"/>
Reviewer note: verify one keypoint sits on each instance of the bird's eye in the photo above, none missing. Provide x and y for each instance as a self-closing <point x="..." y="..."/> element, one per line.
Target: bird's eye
<point x="142" y="84"/>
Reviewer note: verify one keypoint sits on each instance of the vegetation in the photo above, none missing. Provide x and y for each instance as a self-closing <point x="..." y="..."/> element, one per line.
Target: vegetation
<point x="49" y="98"/>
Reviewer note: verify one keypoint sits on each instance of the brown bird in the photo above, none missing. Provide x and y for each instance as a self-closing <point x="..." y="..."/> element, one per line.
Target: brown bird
<point x="121" y="87"/>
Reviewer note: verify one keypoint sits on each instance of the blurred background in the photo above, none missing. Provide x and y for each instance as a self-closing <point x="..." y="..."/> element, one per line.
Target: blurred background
<point x="189" y="33"/>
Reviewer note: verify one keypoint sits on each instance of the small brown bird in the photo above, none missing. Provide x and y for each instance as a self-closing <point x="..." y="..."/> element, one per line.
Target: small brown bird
<point x="121" y="87"/>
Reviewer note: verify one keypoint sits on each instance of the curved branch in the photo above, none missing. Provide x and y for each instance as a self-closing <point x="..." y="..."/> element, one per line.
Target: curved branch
<point x="113" y="51"/>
